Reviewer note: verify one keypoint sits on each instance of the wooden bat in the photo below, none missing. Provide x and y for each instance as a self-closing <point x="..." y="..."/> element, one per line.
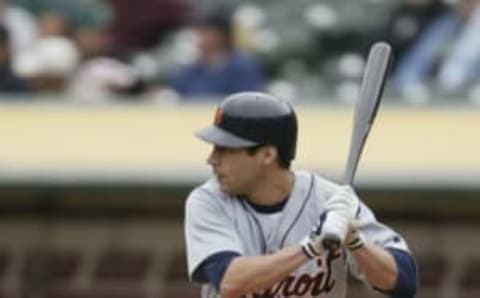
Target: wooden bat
<point x="371" y="91"/>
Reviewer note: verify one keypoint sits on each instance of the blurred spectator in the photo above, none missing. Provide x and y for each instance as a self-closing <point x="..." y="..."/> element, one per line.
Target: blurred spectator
<point x="9" y="82"/>
<point x="49" y="63"/>
<point x="78" y="12"/>
<point x="146" y="24"/>
<point x="20" y="24"/>
<point x="53" y="23"/>
<point x="51" y="58"/>
<point x="406" y="24"/>
<point x="462" y="65"/>
<point x="93" y="41"/>
<point x="100" y="78"/>
<point x="446" y="53"/>
<point x="101" y="74"/>
<point x="220" y="68"/>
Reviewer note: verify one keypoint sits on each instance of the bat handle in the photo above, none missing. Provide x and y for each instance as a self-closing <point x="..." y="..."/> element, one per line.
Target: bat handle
<point x="331" y="242"/>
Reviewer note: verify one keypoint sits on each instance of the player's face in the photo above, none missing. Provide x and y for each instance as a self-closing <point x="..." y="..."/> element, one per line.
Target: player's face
<point x="237" y="171"/>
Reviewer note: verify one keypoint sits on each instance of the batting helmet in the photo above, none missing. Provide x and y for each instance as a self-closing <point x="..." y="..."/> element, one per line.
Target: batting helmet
<point x="249" y="119"/>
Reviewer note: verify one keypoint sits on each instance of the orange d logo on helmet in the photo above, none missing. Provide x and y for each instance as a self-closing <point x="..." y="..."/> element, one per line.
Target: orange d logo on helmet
<point x="218" y="116"/>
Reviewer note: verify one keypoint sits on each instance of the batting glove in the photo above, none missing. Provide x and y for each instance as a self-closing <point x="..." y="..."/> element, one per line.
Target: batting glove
<point x="355" y="238"/>
<point x="342" y="207"/>
<point x="312" y="243"/>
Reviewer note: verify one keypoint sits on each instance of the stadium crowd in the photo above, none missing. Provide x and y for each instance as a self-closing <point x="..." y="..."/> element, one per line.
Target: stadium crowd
<point x="97" y="50"/>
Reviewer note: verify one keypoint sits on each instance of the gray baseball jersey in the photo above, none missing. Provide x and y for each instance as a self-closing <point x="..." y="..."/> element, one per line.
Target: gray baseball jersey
<point x="216" y="222"/>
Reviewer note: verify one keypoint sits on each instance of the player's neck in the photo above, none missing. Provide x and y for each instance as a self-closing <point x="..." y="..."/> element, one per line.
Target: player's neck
<point x="273" y="189"/>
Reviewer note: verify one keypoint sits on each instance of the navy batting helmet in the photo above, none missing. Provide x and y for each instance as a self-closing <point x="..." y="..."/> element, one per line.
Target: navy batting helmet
<point x="249" y="119"/>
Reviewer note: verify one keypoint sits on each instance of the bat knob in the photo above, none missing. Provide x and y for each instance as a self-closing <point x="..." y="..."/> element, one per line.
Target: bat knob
<point x="331" y="242"/>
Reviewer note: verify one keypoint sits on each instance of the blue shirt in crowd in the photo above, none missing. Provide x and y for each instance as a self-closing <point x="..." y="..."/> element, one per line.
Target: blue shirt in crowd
<point x="240" y="72"/>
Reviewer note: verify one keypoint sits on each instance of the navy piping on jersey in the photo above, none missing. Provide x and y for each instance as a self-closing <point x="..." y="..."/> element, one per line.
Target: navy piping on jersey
<point x="307" y="197"/>
<point x="407" y="276"/>
<point x="259" y="226"/>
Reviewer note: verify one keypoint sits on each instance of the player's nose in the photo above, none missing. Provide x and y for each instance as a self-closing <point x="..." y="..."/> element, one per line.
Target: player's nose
<point x="212" y="158"/>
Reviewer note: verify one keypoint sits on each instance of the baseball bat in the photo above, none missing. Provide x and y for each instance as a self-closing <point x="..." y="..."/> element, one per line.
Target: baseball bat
<point x="371" y="91"/>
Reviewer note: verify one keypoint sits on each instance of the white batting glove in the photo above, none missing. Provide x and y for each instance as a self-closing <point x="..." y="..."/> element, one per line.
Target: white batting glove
<point x="343" y="207"/>
<point x="312" y="243"/>
<point x="355" y="239"/>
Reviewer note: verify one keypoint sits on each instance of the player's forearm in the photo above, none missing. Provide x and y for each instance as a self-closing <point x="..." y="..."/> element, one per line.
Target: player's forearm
<point x="378" y="265"/>
<point x="250" y="274"/>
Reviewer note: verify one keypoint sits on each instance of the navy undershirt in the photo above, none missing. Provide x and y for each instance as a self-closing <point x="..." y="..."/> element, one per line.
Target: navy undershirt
<point x="407" y="277"/>
<point x="268" y="209"/>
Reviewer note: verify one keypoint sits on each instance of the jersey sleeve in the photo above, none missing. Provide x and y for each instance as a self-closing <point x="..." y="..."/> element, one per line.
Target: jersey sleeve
<point x="377" y="233"/>
<point x="208" y="229"/>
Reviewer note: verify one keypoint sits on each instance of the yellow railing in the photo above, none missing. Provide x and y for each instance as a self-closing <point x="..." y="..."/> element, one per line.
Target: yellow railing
<point x="156" y="141"/>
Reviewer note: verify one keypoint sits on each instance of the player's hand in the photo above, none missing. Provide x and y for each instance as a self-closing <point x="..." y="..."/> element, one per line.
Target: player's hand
<point x="342" y="207"/>
<point x="344" y="200"/>
<point x="312" y="243"/>
<point x="355" y="238"/>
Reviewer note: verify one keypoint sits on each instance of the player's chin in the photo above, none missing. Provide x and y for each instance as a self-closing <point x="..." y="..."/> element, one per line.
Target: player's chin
<point x="226" y="188"/>
<point x="227" y="185"/>
<point x="223" y="185"/>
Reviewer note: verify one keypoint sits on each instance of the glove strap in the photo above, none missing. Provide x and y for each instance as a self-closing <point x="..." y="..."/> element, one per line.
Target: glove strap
<point x="308" y="248"/>
<point x="358" y="241"/>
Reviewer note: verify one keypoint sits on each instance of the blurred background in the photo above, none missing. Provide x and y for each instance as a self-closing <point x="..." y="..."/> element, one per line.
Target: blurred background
<point x="99" y="101"/>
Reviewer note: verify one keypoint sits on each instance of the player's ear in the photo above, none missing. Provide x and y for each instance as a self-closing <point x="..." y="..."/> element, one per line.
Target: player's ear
<point x="269" y="155"/>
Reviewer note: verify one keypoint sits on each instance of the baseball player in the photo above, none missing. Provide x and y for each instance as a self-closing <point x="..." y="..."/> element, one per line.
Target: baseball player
<point x="256" y="228"/>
